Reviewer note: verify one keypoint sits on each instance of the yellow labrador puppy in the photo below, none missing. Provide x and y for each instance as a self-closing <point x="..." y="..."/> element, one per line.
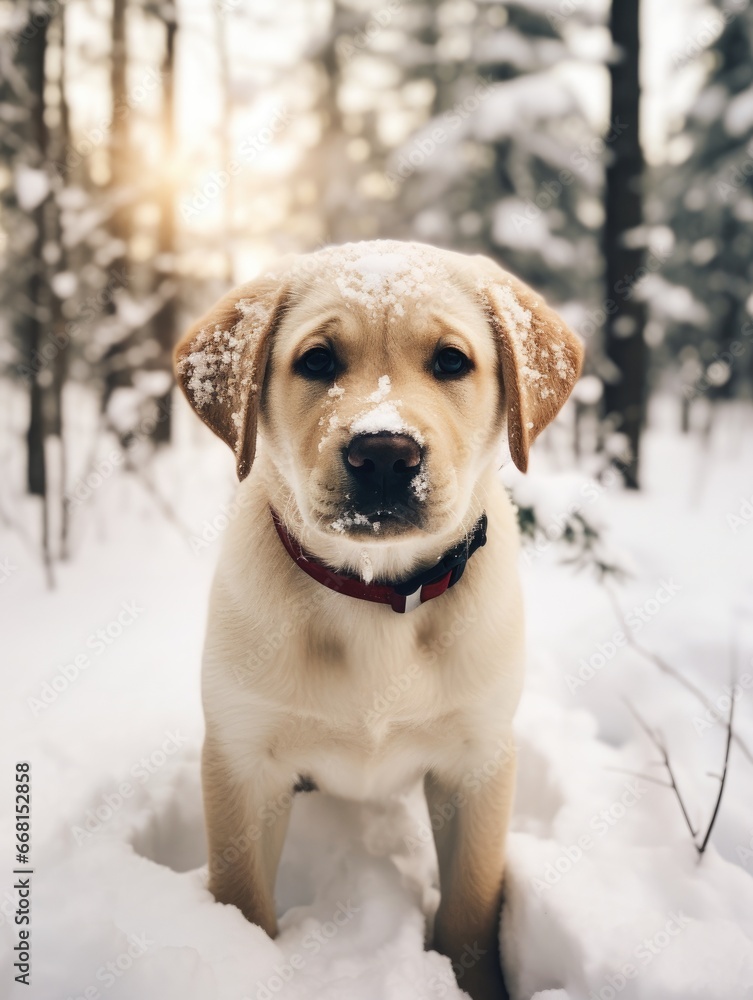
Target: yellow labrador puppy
<point x="366" y="628"/>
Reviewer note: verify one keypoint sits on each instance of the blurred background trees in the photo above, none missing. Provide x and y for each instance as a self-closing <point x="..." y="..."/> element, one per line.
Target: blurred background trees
<point x="154" y="152"/>
<point x="705" y="200"/>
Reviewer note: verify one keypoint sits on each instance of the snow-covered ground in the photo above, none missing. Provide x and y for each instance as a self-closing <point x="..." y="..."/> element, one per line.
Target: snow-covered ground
<point x="606" y="896"/>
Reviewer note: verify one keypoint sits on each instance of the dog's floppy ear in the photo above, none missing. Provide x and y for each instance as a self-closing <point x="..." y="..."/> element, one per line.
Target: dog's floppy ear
<point x="540" y="358"/>
<point x="220" y="363"/>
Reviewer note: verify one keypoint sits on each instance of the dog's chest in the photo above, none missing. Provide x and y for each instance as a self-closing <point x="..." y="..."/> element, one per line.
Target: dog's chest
<point x="362" y="720"/>
<point x="368" y="756"/>
<point x="351" y="770"/>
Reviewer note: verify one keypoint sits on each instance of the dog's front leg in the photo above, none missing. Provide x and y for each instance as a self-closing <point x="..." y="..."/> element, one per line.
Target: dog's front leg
<point x="470" y="816"/>
<point x="246" y="825"/>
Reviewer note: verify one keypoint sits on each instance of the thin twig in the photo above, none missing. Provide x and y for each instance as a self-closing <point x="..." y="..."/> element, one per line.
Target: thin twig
<point x="667" y="668"/>
<point x="665" y="759"/>
<point x="718" y="802"/>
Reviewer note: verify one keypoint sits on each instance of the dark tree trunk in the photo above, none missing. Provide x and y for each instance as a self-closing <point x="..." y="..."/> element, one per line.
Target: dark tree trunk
<point x="34" y="60"/>
<point x="625" y="398"/>
<point x="116" y="373"/>
<point x="60" y="363"/>
<point x="165" y="321"/>
<point x="685" y="416"/>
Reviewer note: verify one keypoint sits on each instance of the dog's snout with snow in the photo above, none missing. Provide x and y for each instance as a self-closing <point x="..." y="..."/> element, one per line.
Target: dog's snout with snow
<point x="385" y="472"/>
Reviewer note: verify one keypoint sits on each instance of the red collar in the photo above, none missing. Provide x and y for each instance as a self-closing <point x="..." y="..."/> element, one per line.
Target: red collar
<point x="404" y="596"/>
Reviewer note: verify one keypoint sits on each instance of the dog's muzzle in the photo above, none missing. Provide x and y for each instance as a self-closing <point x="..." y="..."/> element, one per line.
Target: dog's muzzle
<point x="381" y="468"/>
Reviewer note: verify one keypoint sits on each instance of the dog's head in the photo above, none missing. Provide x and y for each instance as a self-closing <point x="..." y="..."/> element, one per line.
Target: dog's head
<point x="381" y="377"/>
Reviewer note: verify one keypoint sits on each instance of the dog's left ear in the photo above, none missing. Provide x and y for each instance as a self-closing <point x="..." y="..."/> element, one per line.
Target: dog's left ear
<point x="220" y="363"/>
<point x="540" y="358"/>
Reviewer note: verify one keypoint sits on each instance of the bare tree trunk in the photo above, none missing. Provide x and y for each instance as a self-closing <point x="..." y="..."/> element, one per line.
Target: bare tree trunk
<point x="334" y="159"/>
<point x="165" y="321"/>
<point x="685" y="415"/>
<point x="226" y="121"/>
<point x="35" y="51"/>
<point x="36" y="470"/>
<point x="60" y="363"/>
<point x="120" y="178"/>
<point x="624" y="340"/>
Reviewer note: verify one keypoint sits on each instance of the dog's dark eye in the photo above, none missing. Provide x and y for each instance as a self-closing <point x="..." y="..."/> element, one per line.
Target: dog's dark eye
<point x="451" y="361"/>
<point x="319" y="362"/>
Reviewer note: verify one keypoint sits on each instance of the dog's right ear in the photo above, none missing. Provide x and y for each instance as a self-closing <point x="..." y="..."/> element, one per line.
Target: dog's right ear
<point x="220" y="363"/>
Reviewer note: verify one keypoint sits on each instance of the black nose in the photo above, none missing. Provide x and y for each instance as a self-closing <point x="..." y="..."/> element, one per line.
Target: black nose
<point x="383" y="463"/>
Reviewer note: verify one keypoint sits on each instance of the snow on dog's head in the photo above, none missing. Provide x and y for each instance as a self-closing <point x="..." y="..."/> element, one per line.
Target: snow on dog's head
<point x="383" y="376"/>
